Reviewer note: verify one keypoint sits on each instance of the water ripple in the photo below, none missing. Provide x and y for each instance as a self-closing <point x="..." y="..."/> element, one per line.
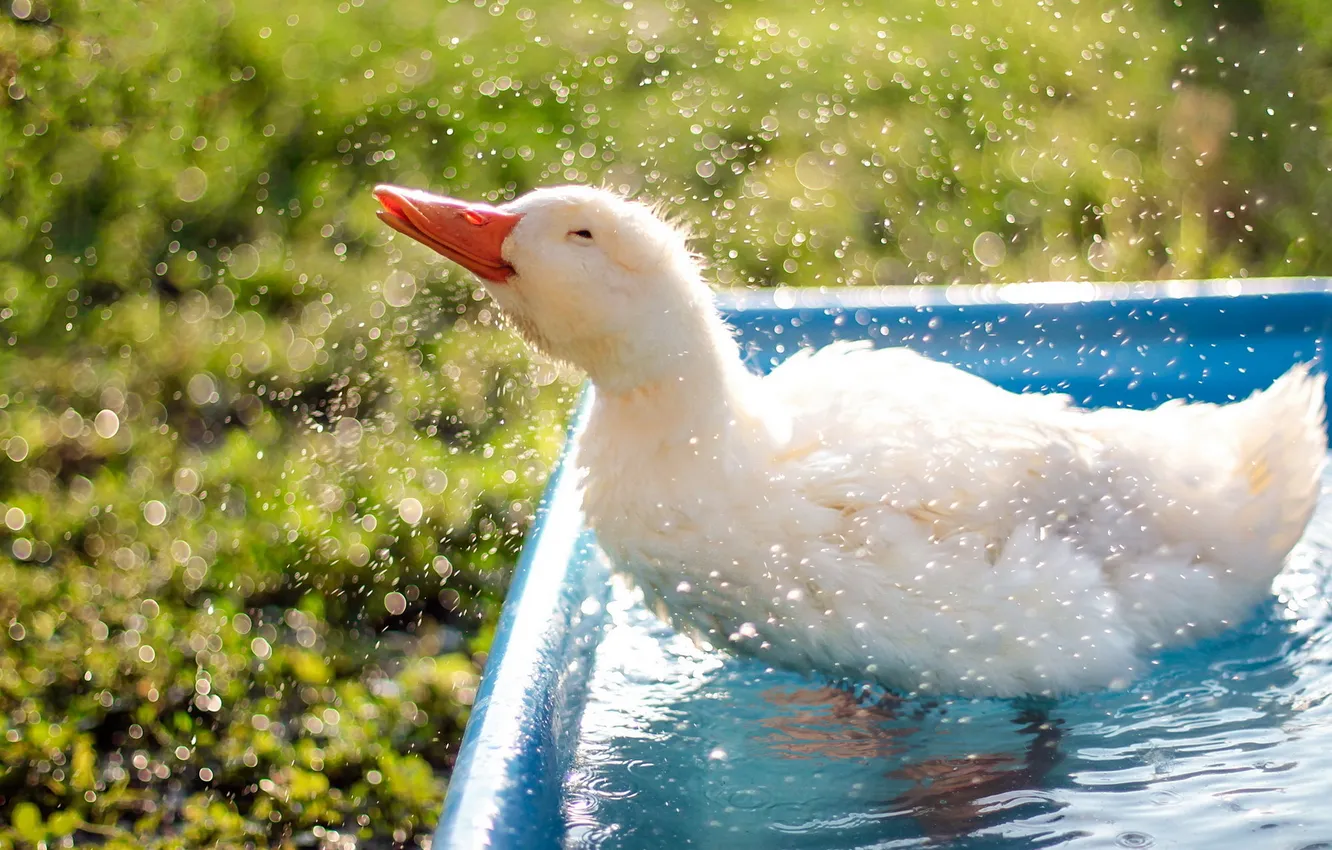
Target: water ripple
<point x="1227" y="745"/>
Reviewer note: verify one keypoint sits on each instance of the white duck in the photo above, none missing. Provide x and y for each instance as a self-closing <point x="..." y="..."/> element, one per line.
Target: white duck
<point x="872" y="513"/>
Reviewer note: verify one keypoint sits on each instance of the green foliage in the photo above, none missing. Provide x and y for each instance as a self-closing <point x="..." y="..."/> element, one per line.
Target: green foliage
<point x="264" y="468"/>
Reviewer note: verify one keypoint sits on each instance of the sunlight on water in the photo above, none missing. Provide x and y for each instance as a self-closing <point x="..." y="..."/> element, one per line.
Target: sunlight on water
<point x="1228" y="744"/>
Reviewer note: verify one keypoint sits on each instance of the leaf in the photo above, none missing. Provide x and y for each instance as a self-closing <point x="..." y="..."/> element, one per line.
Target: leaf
<point x="83" y="766"/>
<point x="28" y="823"/>
<point x="63" y="823"/>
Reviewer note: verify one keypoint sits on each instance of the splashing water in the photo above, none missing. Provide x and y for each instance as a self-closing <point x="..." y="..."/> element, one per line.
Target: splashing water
<point x="1226" y="743"/>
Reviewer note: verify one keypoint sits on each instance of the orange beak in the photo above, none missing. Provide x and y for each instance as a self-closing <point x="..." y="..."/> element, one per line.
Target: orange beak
<point x="472" y="235"/>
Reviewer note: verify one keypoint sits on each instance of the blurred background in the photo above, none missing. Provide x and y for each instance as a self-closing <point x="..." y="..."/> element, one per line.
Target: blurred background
<point x="265" y="469"/>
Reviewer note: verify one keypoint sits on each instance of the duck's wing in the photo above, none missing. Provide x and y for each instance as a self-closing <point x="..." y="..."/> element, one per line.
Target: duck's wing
<point x="1184" y="512"/>
<point x="856" y="374"/>
<point x="892" y="427"/>
<point x="946" y="504"/>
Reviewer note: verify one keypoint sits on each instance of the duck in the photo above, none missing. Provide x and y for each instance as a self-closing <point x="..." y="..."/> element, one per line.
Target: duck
<point x="869" y="513"/>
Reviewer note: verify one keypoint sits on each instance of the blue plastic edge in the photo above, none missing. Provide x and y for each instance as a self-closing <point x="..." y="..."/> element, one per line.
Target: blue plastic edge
<point x="515" y="718"/>
<point x="505" y="788"/>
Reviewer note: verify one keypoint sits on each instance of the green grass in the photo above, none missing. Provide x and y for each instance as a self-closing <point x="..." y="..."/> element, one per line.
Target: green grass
<point x="264" y="469"/>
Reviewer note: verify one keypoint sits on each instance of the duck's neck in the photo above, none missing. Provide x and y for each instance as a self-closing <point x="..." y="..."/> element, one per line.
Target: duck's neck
<point x="696" y="396"/>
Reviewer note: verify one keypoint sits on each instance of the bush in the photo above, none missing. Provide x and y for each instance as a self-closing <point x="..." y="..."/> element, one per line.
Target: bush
<point x="265" y="468"/>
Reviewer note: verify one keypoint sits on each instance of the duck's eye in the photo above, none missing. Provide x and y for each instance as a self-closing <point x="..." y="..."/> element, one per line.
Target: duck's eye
<point x="581" y="234"/>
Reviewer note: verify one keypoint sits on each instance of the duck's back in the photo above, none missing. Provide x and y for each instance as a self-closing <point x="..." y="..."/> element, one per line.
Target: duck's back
<point x="891" y="427"/>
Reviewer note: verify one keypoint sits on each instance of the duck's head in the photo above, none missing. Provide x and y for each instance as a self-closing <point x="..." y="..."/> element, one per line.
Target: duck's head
<point x="584" y="274"/>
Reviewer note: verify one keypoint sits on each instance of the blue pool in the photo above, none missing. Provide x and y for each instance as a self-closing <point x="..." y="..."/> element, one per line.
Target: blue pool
<point x="597" y="726"/>
<point x="1226" y="744"/>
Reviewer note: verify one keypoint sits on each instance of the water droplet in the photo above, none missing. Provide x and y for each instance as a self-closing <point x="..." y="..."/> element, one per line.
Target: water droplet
<point x="814" y="172"/>
<point x="297" y="61"/>
<point x="410" y="510"/>
<point x="15" y="519"/>
<point x="989" y="249"/>
<point x="71" y="424"/>
<point x="155" y="512"/>
<point x="315" y="318"/>
<point x="191" y="184"/>
<point x="193" y="306"/>
<point x="396" y="603"/>
<point x="748" y="798"/>
<point x="244" y="261"/>
<point x="399" y="289"/>
<point x="435" y="480"/>
<point x="16" y="449"/>
<point x="442" y="566"/>
<point x="107" y="424"/>
<point x="1101" y="256"/>
<point x="187" y="480"/>
<point x="202" y="389"/>
<point x="221" y="301"/>
<point x="348" y="432"/>
<point x="301" y="354"/>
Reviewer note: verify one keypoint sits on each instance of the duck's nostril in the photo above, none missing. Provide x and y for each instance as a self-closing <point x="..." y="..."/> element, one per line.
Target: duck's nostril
<point x="474" y="217"/>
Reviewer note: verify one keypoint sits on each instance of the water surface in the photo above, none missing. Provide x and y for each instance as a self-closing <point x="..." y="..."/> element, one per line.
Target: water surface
<point x="1226" y="744"/>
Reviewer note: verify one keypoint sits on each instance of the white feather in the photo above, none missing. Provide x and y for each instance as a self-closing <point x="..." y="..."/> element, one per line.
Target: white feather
<point x="875" y="514"/>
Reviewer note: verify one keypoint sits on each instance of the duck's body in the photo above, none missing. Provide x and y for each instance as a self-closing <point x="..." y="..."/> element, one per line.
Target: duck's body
<point x="874" y="514"/>
<point x="878" y="515"/>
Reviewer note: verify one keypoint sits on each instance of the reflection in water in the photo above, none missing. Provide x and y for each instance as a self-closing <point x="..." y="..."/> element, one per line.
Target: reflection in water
<point x="947" y="797"/>
<point x="950" y="797"/>
<point x="1228" y="744"/>
<point x="829" y="723"/>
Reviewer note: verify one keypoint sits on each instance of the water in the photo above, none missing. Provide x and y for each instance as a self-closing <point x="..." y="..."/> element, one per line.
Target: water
<point x="1226" y="744"/>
